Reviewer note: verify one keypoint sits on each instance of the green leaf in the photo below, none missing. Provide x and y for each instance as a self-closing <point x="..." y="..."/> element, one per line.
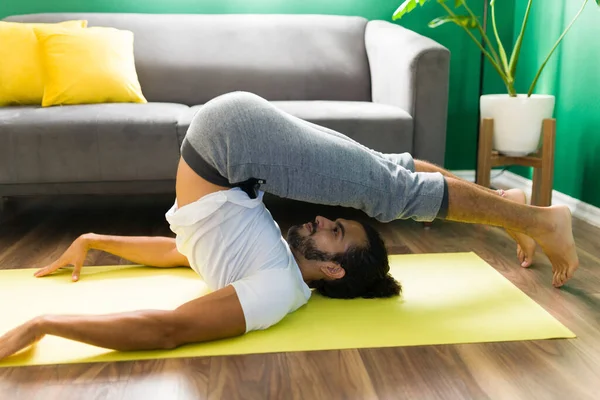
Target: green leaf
<point x="458" y="3"/>
<point x="462" y="20"/>
<point x="407" y="7"/>
<point x="501" y="50"/>
<point x="514" y="58"/>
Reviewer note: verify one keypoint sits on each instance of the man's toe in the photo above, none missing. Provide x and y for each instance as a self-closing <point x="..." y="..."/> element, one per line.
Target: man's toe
<point x="555" y="279"/>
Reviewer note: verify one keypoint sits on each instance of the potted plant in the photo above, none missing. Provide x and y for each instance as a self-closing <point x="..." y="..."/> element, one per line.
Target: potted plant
<point x="517" y="117"/>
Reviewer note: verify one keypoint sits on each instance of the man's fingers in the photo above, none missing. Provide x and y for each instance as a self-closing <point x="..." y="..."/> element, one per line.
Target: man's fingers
<point x="47" y="270"/>
<point x="54" y="266"/>
<point x="41" y="272"/>
<point x="5" y="345"/>
<point x="76" y="271"/>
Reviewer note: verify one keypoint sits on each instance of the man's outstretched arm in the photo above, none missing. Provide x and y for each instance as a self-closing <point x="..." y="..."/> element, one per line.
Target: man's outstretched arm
<point x="153" y="251"/>
<point x="215" y="316"/>
<point x="150" y="251"/>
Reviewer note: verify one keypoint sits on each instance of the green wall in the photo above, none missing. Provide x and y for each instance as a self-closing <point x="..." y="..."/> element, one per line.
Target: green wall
<point x="464" y="79"/>
<point x="573" y="76"/>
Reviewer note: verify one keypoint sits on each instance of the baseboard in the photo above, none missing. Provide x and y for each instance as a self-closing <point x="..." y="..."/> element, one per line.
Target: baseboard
<point x="506" y="179"/>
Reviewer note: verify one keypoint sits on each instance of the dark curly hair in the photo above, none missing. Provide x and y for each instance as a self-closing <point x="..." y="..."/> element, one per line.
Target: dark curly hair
<point x="367" y="272"/>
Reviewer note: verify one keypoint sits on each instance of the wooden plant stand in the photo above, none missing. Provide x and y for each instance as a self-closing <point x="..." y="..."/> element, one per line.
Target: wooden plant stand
<point x="542" y="161"/>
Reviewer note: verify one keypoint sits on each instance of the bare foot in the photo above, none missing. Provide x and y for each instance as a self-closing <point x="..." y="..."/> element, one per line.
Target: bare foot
<point x="525" y="245"/>
<point x="558" y="244"/>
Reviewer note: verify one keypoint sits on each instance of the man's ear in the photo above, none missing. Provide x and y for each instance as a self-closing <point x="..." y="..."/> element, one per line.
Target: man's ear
<point x="333" y="271"/>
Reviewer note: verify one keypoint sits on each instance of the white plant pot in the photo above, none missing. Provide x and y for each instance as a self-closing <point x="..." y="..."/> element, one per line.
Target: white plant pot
<point x="517" y="121"/>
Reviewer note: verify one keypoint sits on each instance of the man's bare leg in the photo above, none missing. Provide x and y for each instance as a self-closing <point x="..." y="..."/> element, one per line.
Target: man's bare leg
<point x="550" y="227"/>
<point x="525" y="245"/>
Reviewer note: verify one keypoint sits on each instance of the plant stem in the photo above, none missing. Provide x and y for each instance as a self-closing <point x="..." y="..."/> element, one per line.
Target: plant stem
<point x="514" y="58"/>
<point x="509" y="86"/>
<point x="500" y="47"/>
<point x="532" y="87"/>
<point x="482" y="33"/>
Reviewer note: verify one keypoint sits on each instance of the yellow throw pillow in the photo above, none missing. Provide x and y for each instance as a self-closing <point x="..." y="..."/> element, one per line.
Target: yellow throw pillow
<point x="20" y="67"/>
<point x="86" y="66"/>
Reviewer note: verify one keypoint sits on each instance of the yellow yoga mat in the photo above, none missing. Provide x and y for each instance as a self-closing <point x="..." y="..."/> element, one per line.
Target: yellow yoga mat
<point x="448" y="298"/>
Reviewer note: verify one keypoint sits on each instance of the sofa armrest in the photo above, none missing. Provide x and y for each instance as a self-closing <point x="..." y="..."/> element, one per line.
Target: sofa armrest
<point x="411" y="71"/>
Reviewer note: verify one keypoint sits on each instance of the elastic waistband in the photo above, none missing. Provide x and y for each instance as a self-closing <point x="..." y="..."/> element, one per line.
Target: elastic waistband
<point x="206" y="171"/>
<point x="201" y="166"/>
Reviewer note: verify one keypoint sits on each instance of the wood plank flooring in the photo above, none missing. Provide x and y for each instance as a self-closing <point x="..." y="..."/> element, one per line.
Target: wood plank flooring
<point x="35" y="232"/>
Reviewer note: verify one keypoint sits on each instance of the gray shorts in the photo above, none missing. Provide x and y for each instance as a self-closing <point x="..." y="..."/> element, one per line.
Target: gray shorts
<point x="240" y="139"/>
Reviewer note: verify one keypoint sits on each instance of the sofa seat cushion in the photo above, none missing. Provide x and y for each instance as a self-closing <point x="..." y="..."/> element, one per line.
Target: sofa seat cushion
<point x="384" y="128"/>
<point x="83" y="143"/>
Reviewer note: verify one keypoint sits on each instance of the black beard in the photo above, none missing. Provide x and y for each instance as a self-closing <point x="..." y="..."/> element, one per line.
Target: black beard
<point x="306" y="245"/>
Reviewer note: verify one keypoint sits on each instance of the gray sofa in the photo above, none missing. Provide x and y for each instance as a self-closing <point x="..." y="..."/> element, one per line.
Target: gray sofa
<point x="380" y="84"/>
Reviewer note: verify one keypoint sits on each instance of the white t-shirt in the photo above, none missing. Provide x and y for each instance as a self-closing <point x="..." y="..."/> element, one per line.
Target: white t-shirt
<point x="231" y="239"/>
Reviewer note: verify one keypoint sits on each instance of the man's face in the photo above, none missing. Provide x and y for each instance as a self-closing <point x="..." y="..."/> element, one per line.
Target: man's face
<point x="321" y="239"/>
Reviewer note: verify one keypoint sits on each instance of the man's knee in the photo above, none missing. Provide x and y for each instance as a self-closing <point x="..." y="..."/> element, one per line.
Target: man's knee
<point x="232" y="103"/>
<point x="222" y="115"/>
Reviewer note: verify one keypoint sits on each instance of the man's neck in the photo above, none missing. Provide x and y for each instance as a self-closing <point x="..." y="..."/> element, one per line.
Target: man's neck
<point x="302" y="266"/>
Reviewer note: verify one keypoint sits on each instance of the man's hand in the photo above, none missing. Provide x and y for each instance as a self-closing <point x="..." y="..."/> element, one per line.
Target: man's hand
<point x="74" y="255"/>
<point x="151" y="251"/>
<point x="20" y="338"/>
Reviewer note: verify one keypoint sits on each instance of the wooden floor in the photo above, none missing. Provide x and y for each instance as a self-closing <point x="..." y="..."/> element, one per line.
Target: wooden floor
<point x="36" y="232"/>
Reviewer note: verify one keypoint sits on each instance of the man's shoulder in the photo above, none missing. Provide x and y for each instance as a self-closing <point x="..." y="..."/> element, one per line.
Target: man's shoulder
<point x="280" y="279"/>
<point x="269" y="295"/>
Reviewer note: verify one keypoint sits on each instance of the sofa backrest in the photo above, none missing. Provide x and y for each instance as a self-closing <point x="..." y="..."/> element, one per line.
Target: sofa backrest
<point x="191" y="58"/>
